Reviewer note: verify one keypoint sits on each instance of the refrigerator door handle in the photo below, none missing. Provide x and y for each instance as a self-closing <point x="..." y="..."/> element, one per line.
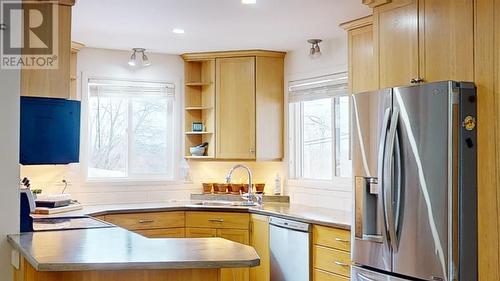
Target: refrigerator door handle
<point x="381" y="161"/>
<point x="387" y="179"/>
<point x="398" y="187"/>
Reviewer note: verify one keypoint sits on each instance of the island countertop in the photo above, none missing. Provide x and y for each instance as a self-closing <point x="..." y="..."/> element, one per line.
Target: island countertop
<point x="115" y="248"/>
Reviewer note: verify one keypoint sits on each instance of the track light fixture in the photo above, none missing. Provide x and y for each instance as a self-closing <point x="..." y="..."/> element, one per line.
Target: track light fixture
<point x="315" y="50"/>
<point x="141" y="60"/>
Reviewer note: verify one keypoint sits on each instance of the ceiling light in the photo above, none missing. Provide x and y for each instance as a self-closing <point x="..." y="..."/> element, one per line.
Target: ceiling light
<point x="248" y="2"/>
<point x="142" y="60"/>
<point x="178" y="31"/>
<point x="315" y="50"/>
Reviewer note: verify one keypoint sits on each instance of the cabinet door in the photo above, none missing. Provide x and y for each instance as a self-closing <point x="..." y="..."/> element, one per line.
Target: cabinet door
<point x="446" y="35"/>
<point x="240" y="236"/>
<point x="396" y="38"/>
<point x="200" y="232"/>
<point x="259" y="239"/>
<point x="235" y="108"/>
<point x="362" y="70"/>
<point x="52" y="83"/>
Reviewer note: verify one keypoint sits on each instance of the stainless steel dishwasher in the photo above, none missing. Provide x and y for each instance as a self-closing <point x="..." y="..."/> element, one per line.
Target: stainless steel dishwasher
<point x="290" y="250"/>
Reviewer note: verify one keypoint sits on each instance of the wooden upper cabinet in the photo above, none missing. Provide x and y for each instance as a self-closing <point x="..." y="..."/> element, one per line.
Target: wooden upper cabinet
<point x="269" y="98"/>
<point x="248" y="104"/>
<point x="446" y="40"/>
<point x="235" y="108"/>
<point x="52" y="83"/>
<point x="362" y="61"/>
<point x="424" y="41"/>
<point x="396" y="41"/>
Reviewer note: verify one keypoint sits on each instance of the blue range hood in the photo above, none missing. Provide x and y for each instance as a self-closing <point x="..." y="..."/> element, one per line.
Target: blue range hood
<point x="50" y="131"/>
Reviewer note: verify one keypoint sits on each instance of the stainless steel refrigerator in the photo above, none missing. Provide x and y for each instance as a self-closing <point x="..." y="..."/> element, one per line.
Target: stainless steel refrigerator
<point x="414" y="166"/>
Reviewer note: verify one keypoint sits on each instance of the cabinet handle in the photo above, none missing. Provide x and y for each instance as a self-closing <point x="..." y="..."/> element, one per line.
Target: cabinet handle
<point x="216" y="220"/>
<point x="252" y="150"/>
<point x="340" y="263"/>
<point x="146" y="221"/>
<point x="341" y="240"/>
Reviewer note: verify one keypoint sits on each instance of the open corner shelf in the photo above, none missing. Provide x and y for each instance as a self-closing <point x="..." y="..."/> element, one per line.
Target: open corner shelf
<point x="199" y="108"/>
<point x="200" y="157"/>
<point x="197" y="84"/>
<point x="198" y="133"/>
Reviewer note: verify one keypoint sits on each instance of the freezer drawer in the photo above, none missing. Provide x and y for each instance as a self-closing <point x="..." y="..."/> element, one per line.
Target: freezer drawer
<point x="362" y="274"/>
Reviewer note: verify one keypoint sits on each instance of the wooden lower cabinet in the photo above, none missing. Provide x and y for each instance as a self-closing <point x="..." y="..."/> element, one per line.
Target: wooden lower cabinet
<point x="163" y="233"/>
<point x="236" y="235"/>
<point x="320" y="275"/>
<point x="259" y="239"/>
<point x="331" y="255"/>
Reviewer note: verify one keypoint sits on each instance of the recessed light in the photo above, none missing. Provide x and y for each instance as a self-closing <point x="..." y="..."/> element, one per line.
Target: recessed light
<point x="178" y="31"/>
<point x="248" y="2"/>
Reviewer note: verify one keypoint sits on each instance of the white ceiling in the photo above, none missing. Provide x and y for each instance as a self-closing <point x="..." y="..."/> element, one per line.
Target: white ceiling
<point x="209" y="24"/>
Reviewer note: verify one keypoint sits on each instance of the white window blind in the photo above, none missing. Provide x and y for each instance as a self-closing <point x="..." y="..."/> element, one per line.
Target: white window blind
<point x="317" y="88"/>
<point x="122" y="88"/>
<point x="130" y="132"/>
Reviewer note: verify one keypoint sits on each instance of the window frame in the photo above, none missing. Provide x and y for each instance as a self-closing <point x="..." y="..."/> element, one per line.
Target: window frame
<point x="295" y="128"/>
<point x="145" y="180"/>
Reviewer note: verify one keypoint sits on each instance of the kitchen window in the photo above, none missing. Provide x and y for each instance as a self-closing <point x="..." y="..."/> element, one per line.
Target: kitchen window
<point x="319" y="129"/>
<point x="130" y="130"/>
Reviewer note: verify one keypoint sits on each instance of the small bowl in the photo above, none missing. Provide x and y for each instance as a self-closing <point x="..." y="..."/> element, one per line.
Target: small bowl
<point x="235" y="188"/>
<point x="207" y="187"/>
<point x="221" y="188"/>
<point x="197" y="151"/>
<point x="259" y="187"/>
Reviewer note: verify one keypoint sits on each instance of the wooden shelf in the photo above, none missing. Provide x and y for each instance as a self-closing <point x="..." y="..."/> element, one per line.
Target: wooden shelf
<point x="198" y="83"/>
<point x="199" y="157"/>
<point x="198" y="133"/>
<point x="199" y="108"/>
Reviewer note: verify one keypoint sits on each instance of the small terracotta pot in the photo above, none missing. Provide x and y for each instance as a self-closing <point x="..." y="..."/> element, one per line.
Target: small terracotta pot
<point x="244" y="187"/>
<point x="207" y="187"/>
<point x="259" y="187"/>
<point x="221" y="187"/>
<point x="236" y="187"/>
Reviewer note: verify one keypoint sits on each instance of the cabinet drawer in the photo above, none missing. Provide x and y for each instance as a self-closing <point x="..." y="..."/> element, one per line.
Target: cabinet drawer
<point x="163" y="233"/>
<point x="331" y="260"/>
<point x="200" y="232"/>
<point x="320" y="275"/>
<point x="217" y="220"/>
<point x="155" y="220"/>
<point x="332" y="237"/>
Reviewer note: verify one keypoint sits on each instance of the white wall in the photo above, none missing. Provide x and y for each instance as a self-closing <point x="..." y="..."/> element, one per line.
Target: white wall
<point x="168" y="68"/>
<point x="9" y="165"/>
<point x="298" y="65"/>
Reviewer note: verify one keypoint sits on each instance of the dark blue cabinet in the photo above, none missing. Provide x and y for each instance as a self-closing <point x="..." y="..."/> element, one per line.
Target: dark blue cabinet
<point x="50" y="131"/>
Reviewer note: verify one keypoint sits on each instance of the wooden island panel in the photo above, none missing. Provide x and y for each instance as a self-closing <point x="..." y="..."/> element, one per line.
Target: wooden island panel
<point x="27" y="273"/>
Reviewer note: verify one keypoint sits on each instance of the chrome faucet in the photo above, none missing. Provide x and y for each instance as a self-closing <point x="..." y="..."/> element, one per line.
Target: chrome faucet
<point x="251" y="194"/>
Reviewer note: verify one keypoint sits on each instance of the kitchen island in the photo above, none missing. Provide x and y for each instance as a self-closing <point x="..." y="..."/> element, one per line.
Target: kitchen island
<point x="117" y="254"/>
